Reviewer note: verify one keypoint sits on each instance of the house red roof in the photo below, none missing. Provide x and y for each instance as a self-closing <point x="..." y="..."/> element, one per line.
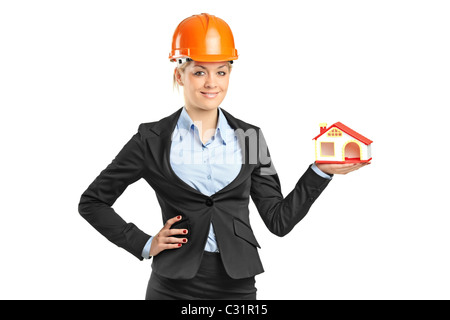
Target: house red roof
<point x="348" y="131"/>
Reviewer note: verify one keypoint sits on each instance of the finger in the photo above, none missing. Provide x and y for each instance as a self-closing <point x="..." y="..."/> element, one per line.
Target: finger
<point x="170" y="222"/>
<point x="344" y="170"/>
<point x="169" y="240"/>
<point x="171" y="246"/>
<point x="354" y="168"/>
<point x="350" y="170"/>
<point x="360" y="165"/>
<point x="172" y="232"/>
<point x="340" y="167"/>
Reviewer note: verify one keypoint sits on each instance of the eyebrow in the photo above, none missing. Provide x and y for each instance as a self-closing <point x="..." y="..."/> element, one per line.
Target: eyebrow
<point x="198" y="65"/>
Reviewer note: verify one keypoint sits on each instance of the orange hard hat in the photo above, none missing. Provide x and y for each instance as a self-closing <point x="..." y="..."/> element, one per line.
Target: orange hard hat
<point x="203" y="37"/>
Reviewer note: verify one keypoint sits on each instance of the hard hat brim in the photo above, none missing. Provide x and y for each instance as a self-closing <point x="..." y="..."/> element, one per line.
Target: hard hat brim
<point x="186" y="53"/>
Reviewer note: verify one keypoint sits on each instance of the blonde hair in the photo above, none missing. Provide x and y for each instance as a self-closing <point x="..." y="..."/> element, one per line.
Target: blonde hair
<point x="181" y="68"/>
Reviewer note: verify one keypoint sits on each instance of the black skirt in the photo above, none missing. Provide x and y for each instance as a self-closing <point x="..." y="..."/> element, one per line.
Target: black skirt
<point x="211" y="283"/>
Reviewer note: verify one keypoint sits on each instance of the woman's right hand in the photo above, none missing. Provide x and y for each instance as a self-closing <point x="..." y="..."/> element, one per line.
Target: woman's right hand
<point x="164" y="240"/>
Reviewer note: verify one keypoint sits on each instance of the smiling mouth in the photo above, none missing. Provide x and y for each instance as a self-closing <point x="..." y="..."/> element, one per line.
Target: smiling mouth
<point x="209" y="94"/>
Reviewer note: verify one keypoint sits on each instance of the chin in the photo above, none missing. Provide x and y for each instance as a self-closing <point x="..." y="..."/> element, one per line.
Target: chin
<point x="209" y="106"/>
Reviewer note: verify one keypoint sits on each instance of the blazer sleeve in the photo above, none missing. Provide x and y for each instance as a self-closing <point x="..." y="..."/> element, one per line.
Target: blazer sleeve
<point x="96" y="202"/>
<point x="280" y="214"/>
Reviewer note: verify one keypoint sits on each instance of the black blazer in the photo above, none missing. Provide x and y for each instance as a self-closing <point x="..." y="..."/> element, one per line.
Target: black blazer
<point x="146" y="156"/>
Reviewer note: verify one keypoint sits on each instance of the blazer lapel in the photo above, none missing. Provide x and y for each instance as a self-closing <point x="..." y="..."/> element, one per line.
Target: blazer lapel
<point x="242" y="130"/>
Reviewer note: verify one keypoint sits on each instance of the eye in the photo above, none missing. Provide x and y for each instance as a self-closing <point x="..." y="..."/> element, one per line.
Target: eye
<point x="222" y="73"/>
<point x="199" y="73"/>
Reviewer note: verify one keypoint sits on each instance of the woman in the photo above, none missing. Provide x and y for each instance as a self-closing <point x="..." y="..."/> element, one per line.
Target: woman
<point x="203" y="165"/>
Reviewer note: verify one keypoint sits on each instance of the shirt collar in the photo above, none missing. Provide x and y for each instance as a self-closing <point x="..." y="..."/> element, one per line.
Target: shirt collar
<point x="223" y="130"/>
<point x="222" y="127"/>
<point x="184" y="123"/>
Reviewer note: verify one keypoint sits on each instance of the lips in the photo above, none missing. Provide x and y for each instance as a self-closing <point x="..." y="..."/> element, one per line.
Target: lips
<point x="210" y="95"/>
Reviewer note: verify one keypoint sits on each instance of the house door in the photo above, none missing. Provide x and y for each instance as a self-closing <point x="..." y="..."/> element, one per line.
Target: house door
<point x="352" y="151"/>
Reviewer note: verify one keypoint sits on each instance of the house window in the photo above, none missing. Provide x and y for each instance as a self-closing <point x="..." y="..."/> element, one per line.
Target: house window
<point x="334" y="133"/>
<point x="327" y="149"/>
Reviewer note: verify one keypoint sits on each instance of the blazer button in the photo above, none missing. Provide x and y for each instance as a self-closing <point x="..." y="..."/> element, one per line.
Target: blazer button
<point x="209" y="202"/>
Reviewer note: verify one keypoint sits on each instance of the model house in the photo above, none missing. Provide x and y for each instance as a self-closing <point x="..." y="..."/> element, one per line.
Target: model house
<point x="340" y="144"/>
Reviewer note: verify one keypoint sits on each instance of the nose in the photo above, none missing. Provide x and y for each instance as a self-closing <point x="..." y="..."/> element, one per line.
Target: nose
<point x="210" y="81"/>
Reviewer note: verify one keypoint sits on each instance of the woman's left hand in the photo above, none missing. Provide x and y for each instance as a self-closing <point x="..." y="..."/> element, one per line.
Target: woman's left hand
<point x="338" y="168"/>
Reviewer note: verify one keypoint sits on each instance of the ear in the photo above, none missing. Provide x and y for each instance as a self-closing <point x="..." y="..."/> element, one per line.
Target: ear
<point x="178" y="76"/>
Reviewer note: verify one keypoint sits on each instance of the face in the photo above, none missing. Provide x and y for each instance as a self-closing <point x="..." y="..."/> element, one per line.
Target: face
<point x="205" y="84"/>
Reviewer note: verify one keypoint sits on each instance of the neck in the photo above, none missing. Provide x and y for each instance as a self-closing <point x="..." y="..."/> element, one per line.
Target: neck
<point x="205" y="120"/>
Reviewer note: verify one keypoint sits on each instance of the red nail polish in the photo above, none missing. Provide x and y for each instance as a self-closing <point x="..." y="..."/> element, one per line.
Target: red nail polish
<point x="184" y="231"/>
<point x="179" y="244"/>
<point x="179" y="217"/>
<point x="184" y="240"/>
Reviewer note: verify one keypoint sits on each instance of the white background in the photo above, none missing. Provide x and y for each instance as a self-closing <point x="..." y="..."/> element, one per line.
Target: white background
<point x="78" y="77"/>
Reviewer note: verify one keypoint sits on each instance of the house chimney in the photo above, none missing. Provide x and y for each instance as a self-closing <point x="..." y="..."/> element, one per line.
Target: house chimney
<point x="323" y="127"/>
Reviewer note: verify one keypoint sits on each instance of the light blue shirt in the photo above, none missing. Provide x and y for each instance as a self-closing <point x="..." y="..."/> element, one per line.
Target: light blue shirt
<point x="207" y="167"/>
